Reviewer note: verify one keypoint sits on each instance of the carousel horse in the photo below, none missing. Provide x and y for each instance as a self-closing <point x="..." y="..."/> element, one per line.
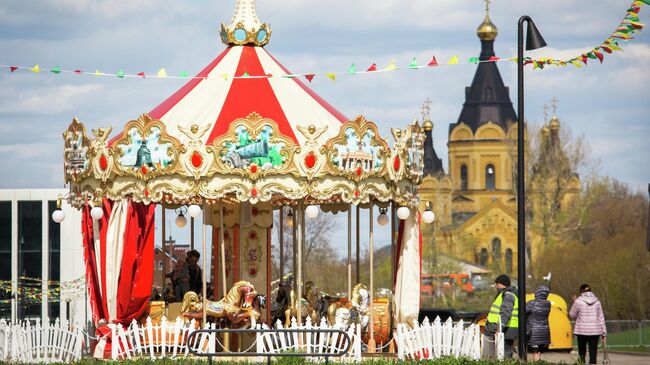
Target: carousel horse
<point x="288" y="304"/>
<point x="240" y="307"/>
<point x="342" y="314"/>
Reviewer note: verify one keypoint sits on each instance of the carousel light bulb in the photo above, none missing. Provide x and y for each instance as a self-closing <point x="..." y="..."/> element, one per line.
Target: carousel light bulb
<point x="194" y="210"/>
<point x="181" y="221"/>
<point x="311" y="211"/>
<point x="58" y="216"/>
<point x="290" y="219"/>
<point x="428" y="216"/>
<point x="403" y="213"/>
<point x="382" y="218"/>
<point x="97" y="213"/>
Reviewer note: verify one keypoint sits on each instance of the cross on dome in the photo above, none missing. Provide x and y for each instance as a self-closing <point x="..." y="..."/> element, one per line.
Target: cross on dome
<point x="245" y="27"/>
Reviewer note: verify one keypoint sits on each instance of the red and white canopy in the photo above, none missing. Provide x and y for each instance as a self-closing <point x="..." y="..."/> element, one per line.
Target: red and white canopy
<point x="217" y="98"/>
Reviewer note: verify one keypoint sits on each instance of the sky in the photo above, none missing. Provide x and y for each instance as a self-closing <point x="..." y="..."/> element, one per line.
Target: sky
<point x="606" y="104"/>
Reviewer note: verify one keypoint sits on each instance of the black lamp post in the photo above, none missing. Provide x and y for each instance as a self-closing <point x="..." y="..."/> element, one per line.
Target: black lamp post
<point x="534" y="40"/>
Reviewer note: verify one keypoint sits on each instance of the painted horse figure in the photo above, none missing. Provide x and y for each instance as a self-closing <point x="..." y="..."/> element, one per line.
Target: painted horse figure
<point x="288" y="304"/>
<point x="342" y="314"/>
<point x="240" y="307"/>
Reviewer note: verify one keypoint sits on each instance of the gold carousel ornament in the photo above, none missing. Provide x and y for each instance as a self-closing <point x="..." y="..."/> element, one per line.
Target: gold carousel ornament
<point x="239" y="161"/>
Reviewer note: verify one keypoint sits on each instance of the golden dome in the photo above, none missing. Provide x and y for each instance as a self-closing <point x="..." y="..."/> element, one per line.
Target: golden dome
<point x="427" y="125"/>
<point x="555" y="123"/>
<point x="487" y="31"/>
<point x="545" y="130"/>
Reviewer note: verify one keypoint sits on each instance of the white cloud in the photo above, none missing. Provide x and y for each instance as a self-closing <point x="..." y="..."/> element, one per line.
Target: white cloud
<point x="50" y="100"/>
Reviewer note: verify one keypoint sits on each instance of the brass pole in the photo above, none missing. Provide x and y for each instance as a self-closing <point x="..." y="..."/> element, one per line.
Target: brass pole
<point x="223" y="249"/>
<point x="294" y="252"/>
<point x="371" y="322"/>
<point x="191" y="233"/>
<point x="358" y="267"/>
<point x="205" y="267"/>
<point x="298" y="217"/>
<point x="281" y="245"/>
<point x="164" y="253"/>
<point x="350" y="252"/>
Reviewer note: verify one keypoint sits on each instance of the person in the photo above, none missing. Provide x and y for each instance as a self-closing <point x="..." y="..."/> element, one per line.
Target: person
<point x="538" y="333"/>
<point x="502" y="317"/>
<point x="180" y="279"/>
<point x="194" y="272"/>
<point x="590" y="323"/>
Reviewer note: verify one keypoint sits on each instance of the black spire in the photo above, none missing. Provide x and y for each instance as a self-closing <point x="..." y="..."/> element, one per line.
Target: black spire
<point x="432" y="164"/>
<point x="488" y="99"/>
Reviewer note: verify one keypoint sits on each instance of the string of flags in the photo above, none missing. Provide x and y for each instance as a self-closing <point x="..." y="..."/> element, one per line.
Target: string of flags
<point x="31" y="289"/>
<point x="623" y="33"/>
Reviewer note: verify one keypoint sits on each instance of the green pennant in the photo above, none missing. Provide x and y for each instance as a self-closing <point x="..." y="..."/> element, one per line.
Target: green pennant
<point x="120" y="73"/>
<point x="245" y="74"/>
<point x="647" y="2"/>
<point x="56" y="70"/>
<point x="183" y="74"/>
<point x="352" y="69"/>
<point x="591" y="55"/>
<point x="473" y="60"/>
<point x="413" y="64"/>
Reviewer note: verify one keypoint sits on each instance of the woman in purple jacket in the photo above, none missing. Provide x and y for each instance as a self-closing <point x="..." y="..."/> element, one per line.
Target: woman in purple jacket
<point x="590" y="323"/>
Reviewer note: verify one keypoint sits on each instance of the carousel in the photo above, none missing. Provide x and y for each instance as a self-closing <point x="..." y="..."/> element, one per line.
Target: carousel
<point x="240" y="144"/>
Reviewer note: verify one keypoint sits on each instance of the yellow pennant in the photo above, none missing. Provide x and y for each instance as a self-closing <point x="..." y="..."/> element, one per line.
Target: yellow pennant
<point x="35" y="69"/>
<point x="332" y="76"/>
<point x="391" y="66"/>
<point x="577" y="63"/>
<point x="162" y="73"/>
<point x="453" y="61"/>
<point x="225" y="76"/>
<point x="98" y="73"/>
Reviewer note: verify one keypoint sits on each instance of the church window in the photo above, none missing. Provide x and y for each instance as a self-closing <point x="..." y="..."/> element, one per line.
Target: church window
<point x="496" y="249"/>
<point x="483" y="258"/>
<point x="490" y="177"/>
<point x="489" y="95"/>
<point x="509" y="261"/>
<point x="463" y="177"/>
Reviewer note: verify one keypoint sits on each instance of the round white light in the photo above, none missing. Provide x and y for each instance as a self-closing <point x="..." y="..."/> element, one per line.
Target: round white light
<point x="428" y="216"/>
<point x="97" y="213"/>
<point x="382" y="219"/>
<point x="181" y="221"/>
<point x="290" y="219"/>
<point x="403" y="213"/>
<point x="311" y="211"/>
<point x="58" y="216"/>
<point x="194" y="210"/>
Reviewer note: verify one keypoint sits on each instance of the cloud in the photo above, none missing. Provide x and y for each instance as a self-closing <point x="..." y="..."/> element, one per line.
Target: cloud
<point x="49" y="100"/>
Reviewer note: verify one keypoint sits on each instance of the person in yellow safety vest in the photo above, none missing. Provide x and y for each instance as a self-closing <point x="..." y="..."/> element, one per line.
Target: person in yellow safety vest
<point x="505" y="312"/>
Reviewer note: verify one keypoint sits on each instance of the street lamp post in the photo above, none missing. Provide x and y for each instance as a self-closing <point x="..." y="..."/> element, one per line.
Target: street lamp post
<point x="534" y="40"/>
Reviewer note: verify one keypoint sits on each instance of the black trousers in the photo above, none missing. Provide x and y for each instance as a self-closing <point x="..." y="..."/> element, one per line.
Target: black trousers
<point x="592" y="341"/>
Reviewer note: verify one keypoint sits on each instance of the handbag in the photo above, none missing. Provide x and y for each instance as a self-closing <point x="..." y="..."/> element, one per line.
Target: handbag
<point x="606" y="360"/>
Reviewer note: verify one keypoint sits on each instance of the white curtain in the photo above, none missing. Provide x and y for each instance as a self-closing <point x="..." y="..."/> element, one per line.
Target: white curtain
<point x="114" y="249"/>
<point x="407" y="284"/>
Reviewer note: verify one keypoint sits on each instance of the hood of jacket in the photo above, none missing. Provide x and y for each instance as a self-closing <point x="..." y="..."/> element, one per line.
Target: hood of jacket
<point x="588" y="297"/>
<point x="542" y="292"/>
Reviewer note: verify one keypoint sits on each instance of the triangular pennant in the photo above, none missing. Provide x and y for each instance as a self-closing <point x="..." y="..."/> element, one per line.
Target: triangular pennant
<point x="98" y="73"/>
<point x="120" y="73"/>
<point x="413" y="64"/>
<point x="494" y="58"/>
<point x="332" y="76"/>
<point x="141" y="74"/>
<point x="245" y="74"/>
<point x="372" y="67"/>
<point x="224" y="76"/>
<point x="13" y="68"/>
<point x="391" y="66"/>
<point x="35" y="69"/>
<point x="473" y="60"/>
<point x="433" y="62"/>
<point x="606" y="49"/>
<point x="162" y="73"/>
<point x="453" y="61"/>
<point x="78" y="72"/>
<point x="576" y="63"/>
<point x="309" y="77"/>
<point x="182" y="74"/>
<point x="647" y="2"/>
<point x="56" y="70"/>
<point x="352" y="69"/>
<point x="599" y="55"/>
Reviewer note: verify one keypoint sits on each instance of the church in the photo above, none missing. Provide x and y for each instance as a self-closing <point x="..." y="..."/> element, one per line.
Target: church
<point x="474" y="200"/>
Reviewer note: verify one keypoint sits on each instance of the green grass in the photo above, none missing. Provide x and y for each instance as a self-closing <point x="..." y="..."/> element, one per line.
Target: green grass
<point x="627" y="340"/>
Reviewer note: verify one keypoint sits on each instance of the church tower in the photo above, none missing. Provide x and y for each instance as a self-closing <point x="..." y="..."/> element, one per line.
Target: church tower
<point x="481" y="149"/>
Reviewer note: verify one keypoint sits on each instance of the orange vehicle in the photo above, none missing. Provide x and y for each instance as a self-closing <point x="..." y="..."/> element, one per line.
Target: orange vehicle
<point x="445" y="281"/>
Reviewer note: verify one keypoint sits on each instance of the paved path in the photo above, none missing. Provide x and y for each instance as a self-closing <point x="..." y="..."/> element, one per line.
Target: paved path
<point x="615" y="358"/>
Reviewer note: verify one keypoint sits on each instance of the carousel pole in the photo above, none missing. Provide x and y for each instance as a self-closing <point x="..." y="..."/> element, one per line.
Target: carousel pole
<point x="303" y="260"/>
<point x="204" y="288"/>
<point x="298" y="277"/>
<point x="372" y="346"/>
<point x="223" y="249"/>
<point x="350" y="252"/>
<point x="282" y="245"/>
<point x="164" y="253"/>
<point x="358" y="267"/>
<point x="191" y="233"/>
<point x="294" y="241"/>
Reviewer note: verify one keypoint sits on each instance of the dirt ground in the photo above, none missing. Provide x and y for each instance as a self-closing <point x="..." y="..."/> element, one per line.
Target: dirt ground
<point x="616" y="358"/>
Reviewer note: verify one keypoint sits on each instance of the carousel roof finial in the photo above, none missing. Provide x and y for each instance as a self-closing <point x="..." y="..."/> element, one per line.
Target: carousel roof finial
<point x="245" y="27"/>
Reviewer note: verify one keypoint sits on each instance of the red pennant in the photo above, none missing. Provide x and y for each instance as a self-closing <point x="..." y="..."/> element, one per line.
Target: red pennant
<point x="269" y="75"/>
<point x="13" y="68"/>
<point x="599" y="55"/>
<point x="494" y="58"/>
<point x="141" y="74"/>
<point x="606" y="49"/>
<point x="584" y="58"/>
<point x="77" y="72"/>
<point x="433" y="62"/>
<point x="372" y="67"/>
<point x="309" y="77"/>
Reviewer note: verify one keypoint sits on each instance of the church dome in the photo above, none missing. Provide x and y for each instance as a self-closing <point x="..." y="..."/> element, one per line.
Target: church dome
<point x="487" y="31"/>
<point x="427" y="125"/>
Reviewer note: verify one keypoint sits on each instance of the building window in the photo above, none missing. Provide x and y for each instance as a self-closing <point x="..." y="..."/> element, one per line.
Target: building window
<point x="160" y="265"/>
<point x="489" y="95"/>
<point x="490" y="177"/>
<point x="30" y="249"/>
<point x="496" y="250"/>
<point x="54" y="259"/>
<point x="463" y="177"/>
<point x="509" y="261"/>
<point x="5" y="258"/>
<point x="483" y="258"/>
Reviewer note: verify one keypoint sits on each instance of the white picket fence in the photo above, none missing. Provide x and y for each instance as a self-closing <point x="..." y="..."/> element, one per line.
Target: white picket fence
<point x="432" y="340"/>
<point x="313" y="341"/>
<point x="40" y="343"/>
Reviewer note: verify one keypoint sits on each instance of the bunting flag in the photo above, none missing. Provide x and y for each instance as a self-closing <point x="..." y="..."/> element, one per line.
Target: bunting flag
<point x="624" y="32"/>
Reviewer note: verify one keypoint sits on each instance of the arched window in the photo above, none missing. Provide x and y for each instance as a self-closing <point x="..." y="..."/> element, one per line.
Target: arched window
<point x="490" y="177"/>
<point x="488" y="96"/>
<point x="463" y="177"/>
<point x="483" y="258"/>
<point x="509" y="261"/>
<point x="496" y="249"/>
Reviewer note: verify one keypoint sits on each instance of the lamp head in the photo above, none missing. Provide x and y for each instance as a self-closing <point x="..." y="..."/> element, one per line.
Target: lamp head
<point x="534" y="39"/>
